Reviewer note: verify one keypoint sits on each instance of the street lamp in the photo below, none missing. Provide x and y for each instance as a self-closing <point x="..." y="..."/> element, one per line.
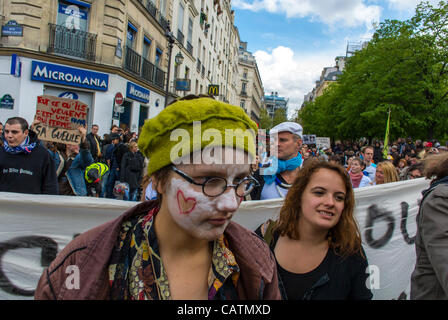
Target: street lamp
<point x="179" y="58"/>
<point x="171" y="40"/>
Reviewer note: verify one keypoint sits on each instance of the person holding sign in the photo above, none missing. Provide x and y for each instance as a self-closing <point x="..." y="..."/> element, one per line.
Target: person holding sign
<point x="316" y="240"/>
<point x="182" y="245"/>
<point x="25" y="165"/>
<point x="76" y="159"/>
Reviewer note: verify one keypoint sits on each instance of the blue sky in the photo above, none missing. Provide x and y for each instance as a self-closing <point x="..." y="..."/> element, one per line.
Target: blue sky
<point x="293" y="40"/>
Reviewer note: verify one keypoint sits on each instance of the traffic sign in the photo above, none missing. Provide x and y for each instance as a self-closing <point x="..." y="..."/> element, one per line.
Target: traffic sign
<point x="119" y="99"/>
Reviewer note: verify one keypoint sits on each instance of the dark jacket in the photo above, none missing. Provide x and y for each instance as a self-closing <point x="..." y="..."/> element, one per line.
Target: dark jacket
<point x="33" y="173"/>
<point x="94" y="146"/>
<point x="132" y="169"/>
<point x="429" y="281"/>
<point x="344" y="280"/>
<point x="91" y="252"/>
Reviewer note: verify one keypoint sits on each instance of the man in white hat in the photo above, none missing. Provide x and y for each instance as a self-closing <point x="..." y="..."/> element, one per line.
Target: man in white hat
<point x="275" y="182"/>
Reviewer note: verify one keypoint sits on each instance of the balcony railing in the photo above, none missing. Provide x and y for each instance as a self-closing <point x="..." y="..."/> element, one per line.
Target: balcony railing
<point x="180" y="37"/>
<point x="72" y="42"/>
<point x="151" y="7"/>
<point x="189" y="48"/>
<point x="143" y="68"/>
<point x="132" y="61"/>
<point x="160" y="78"/>
<point x="148" y="70"/>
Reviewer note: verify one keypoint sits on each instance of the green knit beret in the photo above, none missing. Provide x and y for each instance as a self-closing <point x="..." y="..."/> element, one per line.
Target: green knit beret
<point x="189" y="125"/>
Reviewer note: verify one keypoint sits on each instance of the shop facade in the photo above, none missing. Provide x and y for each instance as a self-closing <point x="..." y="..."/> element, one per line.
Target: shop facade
<point x="24" y="79"/>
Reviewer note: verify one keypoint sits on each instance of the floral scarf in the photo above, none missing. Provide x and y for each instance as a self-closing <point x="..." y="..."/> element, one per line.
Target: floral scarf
<point x="136" y="271"/>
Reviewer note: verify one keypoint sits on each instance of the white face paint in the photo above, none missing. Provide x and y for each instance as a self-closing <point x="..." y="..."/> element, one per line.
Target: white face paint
<point x="201" y="216"/>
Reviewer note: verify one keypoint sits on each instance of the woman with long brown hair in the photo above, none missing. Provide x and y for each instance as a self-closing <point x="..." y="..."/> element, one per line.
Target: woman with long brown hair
<point x="316" y="241"/>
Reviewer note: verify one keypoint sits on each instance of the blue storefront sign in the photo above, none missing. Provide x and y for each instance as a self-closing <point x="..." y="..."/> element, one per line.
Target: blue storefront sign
<point x="183" y="84"/>
<point x="46" y="72"/>
<point x="12" y="29"/>
<point x="136" y="92"/>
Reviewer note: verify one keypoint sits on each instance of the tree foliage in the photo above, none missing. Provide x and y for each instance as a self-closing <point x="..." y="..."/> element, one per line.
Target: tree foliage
<point x="405" y="68"/>
<point x="279" y="116"/>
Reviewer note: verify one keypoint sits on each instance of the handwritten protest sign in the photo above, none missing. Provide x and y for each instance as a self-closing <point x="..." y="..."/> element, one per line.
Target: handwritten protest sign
<point x="59" y="119"/>
<point x="323" y="142"/>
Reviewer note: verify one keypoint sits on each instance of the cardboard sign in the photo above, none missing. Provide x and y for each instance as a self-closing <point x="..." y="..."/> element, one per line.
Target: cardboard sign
<point x="323" y="142"/>
<point x="59" y="119"/>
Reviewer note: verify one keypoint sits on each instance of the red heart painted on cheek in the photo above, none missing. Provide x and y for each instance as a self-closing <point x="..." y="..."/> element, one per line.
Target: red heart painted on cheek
<point x="185" y="205"/>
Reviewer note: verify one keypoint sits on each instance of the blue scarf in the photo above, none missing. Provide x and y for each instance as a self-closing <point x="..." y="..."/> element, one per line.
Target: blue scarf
<point x="26" y="147"/>
<point x="282" y="165"/>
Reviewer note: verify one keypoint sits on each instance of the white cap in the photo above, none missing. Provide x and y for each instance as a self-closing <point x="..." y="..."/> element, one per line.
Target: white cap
<point x="292" y="127"/>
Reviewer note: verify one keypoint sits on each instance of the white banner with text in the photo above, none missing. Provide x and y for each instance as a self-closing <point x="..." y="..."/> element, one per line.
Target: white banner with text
<point x="34" y="228"/>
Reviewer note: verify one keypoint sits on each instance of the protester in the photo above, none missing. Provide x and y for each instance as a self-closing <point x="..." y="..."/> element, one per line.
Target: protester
<point x="132" y="170"/>
<point x="183" y="245"/>
<point x="402" y="166"/>
<point x="95" y="175"/>
<point x="1" y="135"/>
<point x="367" y="154"/>
<point x="377" y="153"/>
<point x="415" y="171"/>
<point x="95" y="143"/>
<point x="385" y="173"/>
<point x="25" y="164"/>
<point x="275" y="182"/>
<point x="429" y="280"/>
<point x="316" y="240"/>
<point x="114" y="155"/>
<point x="75" y="161"/>
<point x="357" y="177"/>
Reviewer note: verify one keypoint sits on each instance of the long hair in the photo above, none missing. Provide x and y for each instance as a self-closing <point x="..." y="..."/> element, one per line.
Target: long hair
<point x="389" y="171"/>
<point x="344" y="237"/>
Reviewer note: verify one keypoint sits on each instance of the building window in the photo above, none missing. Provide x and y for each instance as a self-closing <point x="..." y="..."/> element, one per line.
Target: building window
<point x="73" y="16"/>
<point x="158" y="57"/>
<point x="180" y="18"/>
<point x="146" y="47"/>
<point x="243" y="104"/>
<point x="131" y="36"/>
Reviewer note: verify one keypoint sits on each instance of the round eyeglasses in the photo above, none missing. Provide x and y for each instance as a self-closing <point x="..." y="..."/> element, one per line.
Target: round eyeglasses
<point x="216" y="186"/>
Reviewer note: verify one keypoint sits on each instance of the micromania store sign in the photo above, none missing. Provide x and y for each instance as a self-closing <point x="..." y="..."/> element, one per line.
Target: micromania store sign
<point x="81" y="78"/>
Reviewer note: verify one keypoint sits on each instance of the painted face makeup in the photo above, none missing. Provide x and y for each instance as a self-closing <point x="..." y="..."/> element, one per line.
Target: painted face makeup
<point x="201" y="216"/>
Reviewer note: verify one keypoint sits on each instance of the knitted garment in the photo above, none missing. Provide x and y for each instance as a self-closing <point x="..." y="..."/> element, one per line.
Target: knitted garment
<point x="26" y="147"/>
<point x="356" y="179"/>
<point x="284" y="165"/>
<point x="190" y="125"/>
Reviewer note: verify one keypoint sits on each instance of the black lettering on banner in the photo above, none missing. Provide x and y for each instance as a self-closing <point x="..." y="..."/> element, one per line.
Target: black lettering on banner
<point x="48" y="254"/>
<point x="374" y="214"/>
<point x="404" y="218"/>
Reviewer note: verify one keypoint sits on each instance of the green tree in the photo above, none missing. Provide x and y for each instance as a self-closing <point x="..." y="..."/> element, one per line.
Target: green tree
<point x="279" y="116"/>
<point x="265" y="120"/>
<point x="404" y="68"/>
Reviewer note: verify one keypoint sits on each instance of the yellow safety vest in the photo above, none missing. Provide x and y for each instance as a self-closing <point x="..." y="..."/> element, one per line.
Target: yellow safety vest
<point x="102" y="169"/>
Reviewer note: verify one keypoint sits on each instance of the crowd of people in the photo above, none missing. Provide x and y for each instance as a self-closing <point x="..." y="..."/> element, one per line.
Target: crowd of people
<point x="110" y="167"/>
<point x="404" y="161"/>
<point x="149" y="251"/>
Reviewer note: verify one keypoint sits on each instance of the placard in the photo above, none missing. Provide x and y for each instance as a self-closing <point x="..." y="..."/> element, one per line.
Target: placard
<point x="59" y="119"/>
